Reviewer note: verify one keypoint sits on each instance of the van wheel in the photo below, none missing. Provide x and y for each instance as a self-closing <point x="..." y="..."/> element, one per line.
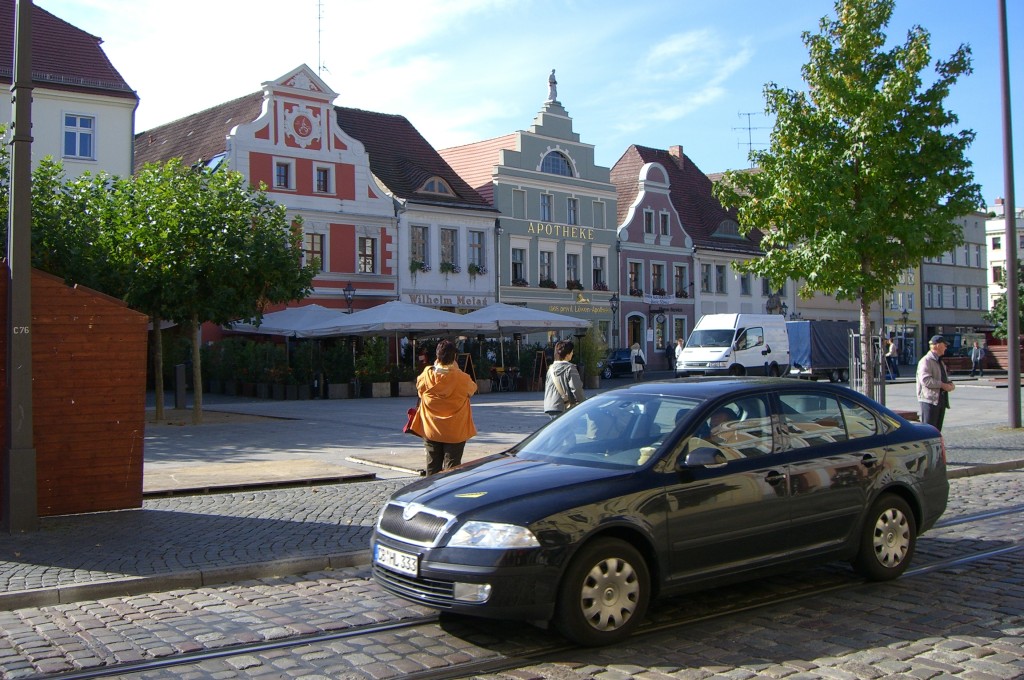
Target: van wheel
<point x="604" y="593"/>
<point x="736" y="369"/>
<point x="887" y="539"/>
<point x="773" y="371"/>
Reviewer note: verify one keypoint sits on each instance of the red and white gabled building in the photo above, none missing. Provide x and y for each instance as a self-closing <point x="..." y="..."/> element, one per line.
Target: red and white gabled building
<point x="287" y="138"/>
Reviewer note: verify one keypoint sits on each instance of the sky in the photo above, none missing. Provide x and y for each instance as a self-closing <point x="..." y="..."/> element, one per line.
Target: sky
<point x="651" y="72"/>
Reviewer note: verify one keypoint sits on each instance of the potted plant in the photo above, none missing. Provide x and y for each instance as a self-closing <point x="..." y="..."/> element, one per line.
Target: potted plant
<point x="574" y="284"/>
<point x="601" y="286"/>
<point x="302" y="368"/>
<point x="476" y="270"/>
<point x="417" y="266"/>
<point x="547" y="283"/>
<point x="520" y="282"/>
<point x="339" y="369"/>
<point x="449" y="268"/>
<point x="372" y="369"/>
<point x="591" y="350"/>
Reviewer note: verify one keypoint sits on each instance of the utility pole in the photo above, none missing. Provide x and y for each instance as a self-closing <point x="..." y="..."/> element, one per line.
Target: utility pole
<point x="20" y="509"/>
<point x="1010" y="224"/>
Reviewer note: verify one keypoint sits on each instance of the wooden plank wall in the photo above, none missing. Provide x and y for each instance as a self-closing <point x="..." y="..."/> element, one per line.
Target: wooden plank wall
<point x="88" y="397"/>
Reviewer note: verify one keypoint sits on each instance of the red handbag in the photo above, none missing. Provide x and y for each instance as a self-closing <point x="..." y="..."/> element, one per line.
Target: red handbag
<point x="408" y="422"/>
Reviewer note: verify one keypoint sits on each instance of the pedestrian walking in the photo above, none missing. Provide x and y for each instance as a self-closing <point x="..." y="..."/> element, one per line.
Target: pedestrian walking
<point x="977" y="360"/>
<point x="563" y="387"/>
<point x="892" y="360"/>
<point x="933" y="384"/>
<point x="679" y="357"/>
<point x="637" y="361"/>
<point x="444" y="418"/>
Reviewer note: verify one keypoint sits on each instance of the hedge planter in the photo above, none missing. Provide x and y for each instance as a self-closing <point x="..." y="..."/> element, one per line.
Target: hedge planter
<point x="407" y="388"/>
<point x="380" y="389"/>
<point x="483" y="386"/>
<point x="339" y="391"/>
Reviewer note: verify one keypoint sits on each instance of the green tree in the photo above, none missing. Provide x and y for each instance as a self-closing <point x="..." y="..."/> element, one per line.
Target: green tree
<point x="209" y="248"/>
<point x="864" y="174"/>
<point x="997" y="316"/>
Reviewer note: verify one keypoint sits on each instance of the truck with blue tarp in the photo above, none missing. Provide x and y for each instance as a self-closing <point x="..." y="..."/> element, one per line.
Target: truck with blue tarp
<point x="820" y="349"/>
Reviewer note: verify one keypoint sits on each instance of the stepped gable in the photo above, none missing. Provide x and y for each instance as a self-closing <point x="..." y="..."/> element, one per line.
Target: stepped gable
<point x="198" y="137"/>
<point x="475" y="162"/>
<point x="402" y="159"/>
<point x="63" y="57"/>
<point x="701" y="213"/>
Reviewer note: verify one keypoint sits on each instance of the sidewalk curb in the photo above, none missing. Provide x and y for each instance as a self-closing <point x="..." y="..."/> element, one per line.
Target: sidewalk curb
<point x="984" y="469"/>
<point x="187" y="579"/>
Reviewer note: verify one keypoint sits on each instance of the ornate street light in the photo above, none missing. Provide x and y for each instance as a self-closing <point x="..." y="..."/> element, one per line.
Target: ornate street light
<point x="613" y="302"/>
<point x="350" y="292"/>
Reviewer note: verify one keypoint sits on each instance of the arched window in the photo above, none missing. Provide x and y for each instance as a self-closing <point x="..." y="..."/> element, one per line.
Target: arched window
<point x="557" y="164"/>
<point x="436" y="185"/>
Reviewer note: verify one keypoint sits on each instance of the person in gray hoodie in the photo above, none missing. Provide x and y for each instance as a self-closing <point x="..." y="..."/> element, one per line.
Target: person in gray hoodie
<point x="563" y="387"/>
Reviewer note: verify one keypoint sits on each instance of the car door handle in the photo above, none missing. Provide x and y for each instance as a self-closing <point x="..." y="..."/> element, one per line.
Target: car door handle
<point x="869" y="459"/>
<point x="774" y="477"/>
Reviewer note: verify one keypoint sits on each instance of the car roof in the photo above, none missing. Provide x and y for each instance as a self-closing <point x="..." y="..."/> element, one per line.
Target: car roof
<point x="712" y="387"/>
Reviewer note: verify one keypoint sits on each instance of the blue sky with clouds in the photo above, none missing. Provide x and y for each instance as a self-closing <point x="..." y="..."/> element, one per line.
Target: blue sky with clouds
<point x="651" y="72"/>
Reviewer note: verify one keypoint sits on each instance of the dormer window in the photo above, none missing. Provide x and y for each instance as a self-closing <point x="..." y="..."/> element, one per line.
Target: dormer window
<point x="436" y="185"/>
<point x="556" y="163"/>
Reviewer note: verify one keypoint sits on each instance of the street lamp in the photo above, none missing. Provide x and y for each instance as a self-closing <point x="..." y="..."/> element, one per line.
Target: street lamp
<point x="904" y="316"/>
<point x="350" y="292"/>
<point x="613" y="302"/>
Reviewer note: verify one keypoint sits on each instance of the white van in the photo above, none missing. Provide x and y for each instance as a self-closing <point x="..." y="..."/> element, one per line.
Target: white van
<point x="737" y="344"/>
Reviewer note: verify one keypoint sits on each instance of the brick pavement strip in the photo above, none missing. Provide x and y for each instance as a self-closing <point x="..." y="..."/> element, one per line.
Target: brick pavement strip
<point x="915" y="627"/>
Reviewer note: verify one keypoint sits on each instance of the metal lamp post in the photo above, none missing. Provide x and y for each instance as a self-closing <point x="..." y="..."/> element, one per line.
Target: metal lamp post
<point x="904" y="317"/>
<point x="613" y="302"/>
<point x="350" y="292"/>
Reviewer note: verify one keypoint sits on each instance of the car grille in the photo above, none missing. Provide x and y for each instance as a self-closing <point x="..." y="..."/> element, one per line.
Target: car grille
<point x="413" y="524"/>
<point x="438" y="594"/>
<point x="696" y="364"/>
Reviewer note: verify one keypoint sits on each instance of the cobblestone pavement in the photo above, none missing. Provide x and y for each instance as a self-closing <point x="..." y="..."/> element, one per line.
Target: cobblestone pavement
<point x="964" y="621"/>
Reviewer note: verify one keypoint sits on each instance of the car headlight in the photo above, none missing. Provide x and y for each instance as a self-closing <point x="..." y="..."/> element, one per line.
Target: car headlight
<point x="492" y="535"/>
<point x="717" y="364"/>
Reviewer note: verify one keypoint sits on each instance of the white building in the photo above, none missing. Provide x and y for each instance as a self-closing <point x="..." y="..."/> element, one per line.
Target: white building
<point x="83" y="112"/>
<point x="995" y="233"/>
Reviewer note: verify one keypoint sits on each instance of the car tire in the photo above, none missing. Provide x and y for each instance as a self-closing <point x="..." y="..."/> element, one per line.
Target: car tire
<point x="606" y="373"/>
<point x="887" y="539"/>
<point x="834" y="376"/>
<point x="604" y="593"/>
<point x="736" y="369"/>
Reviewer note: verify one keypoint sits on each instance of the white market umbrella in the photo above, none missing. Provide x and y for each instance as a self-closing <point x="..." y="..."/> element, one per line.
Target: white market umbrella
<point x="307" y="321"/>
<point x="515" y="319"/>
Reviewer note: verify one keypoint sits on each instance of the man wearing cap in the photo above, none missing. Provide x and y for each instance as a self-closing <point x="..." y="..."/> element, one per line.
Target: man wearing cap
<point x="933" y="385"/>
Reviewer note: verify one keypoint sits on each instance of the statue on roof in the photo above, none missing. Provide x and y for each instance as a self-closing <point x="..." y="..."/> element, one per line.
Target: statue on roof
<point x="552" y="87"/>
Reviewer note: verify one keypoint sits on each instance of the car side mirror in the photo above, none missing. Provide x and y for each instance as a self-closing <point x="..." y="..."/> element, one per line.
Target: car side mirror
<point x="704" y="456"/>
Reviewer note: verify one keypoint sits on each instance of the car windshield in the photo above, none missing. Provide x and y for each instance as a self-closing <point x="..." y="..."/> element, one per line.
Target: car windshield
<point x="718" y="337"/>
<point x="619" y="428"/>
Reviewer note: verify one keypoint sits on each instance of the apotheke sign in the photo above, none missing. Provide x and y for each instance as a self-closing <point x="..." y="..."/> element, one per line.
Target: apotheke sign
<point x="566" y="231"/>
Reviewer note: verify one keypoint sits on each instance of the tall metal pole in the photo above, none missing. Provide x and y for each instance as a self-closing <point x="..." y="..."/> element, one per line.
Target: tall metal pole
<point x="1012" y="304"/>
<point x="20" y="511"/>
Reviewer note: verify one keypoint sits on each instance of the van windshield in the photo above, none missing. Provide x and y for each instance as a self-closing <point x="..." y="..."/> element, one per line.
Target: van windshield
<point x="718" y="337"/>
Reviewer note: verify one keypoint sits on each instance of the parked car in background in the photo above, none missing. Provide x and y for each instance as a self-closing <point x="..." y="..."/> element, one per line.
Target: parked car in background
<point x="616" y="363"/>
<point x="659" y="488"/>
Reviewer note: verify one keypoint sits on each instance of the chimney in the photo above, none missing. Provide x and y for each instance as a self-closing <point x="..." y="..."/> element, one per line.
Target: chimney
<point x="676" y="152"/>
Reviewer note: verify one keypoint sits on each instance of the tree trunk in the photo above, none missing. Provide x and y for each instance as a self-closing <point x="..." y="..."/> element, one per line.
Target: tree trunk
<point x="867" y="364"/>
<point x="197" y="373"/>
<point x="158" y="369"/>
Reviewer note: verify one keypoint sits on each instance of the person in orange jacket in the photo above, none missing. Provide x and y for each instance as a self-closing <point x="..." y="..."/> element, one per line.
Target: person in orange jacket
<point x="444" y="418"/>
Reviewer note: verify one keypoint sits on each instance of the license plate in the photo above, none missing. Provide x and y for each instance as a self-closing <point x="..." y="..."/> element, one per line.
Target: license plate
<point x="396" y="560"/>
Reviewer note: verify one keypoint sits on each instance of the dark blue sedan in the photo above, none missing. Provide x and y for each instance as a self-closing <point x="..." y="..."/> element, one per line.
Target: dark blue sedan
<point x="660" y="488"/>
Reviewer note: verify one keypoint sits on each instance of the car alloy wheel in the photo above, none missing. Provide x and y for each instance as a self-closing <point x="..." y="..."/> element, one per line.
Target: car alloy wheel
<point x="887" y="539"/>
<point x="604" y="594"/>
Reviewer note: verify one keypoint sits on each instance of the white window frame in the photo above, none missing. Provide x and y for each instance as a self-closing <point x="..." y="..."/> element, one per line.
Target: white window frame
<point x="329" y="188"/>
<point x="79" y="133"/>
